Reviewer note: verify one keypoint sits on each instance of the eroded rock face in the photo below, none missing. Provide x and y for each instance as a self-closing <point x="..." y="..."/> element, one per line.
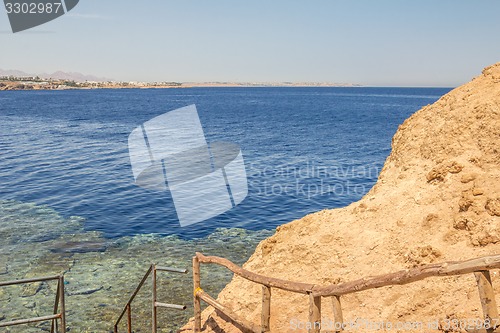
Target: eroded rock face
<point x="437" y="199"/>
<point x="493" y="206"/>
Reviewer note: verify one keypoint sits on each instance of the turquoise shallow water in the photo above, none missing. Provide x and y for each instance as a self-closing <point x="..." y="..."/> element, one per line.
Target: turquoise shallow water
<point x="101" y="273"/>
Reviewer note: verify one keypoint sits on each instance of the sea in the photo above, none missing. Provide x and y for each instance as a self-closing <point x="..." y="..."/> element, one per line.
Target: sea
<point x="66" y="178"/>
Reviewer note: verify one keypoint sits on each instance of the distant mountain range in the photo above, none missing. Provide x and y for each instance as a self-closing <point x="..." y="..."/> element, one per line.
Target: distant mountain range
<point x="69" y="76"/>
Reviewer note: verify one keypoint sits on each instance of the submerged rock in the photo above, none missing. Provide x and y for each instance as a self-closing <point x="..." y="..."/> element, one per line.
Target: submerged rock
<point x="27" y="223"/>
<point x="31" y="289"/>
<point x="79" y="247"/>
<point x="85" y="291"/>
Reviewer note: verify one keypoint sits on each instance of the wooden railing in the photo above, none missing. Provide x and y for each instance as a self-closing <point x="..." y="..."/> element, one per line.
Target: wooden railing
<point x="479" y="266"/>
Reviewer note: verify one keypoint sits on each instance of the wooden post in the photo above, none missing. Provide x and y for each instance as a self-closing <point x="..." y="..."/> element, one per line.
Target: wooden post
<point x="129" y="319"/>
<point x="244" y="324"/>
<point x="314" y="313"/>
<point x="266" y="309"/>
<point x="154" y="299"/>
<point x="337" y="314"/>
<point x="487" y="296"/>
<point x="196" y="299"/>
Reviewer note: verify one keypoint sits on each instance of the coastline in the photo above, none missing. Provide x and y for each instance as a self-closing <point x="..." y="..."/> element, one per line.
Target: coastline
<point x="30" y="84"/>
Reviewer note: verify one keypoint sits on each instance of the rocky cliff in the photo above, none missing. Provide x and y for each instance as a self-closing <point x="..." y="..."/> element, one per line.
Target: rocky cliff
<point x="436" y="199"/>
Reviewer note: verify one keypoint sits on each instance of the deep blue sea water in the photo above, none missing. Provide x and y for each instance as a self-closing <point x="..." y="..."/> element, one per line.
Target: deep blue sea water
<point x="305" y="149"/>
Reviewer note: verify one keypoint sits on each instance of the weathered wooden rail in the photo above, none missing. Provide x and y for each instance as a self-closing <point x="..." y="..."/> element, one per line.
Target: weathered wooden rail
<point x="479" y="266"/>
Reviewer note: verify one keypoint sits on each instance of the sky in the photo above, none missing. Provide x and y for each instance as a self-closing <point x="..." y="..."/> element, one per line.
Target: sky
<point x="374" y="43"/>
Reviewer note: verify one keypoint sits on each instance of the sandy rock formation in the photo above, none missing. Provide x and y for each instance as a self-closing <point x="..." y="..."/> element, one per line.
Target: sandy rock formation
<point x="436" y="199"/>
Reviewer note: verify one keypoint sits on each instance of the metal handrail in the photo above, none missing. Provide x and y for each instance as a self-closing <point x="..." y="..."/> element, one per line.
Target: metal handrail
<point x="59" y="300"/>
<point x="23" y="281"/>
<point x="133" y="295"/>
<point x="153" y="268"/>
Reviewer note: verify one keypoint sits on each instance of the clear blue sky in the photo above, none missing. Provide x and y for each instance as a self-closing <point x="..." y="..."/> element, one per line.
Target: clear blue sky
<point x="382" y="42"/>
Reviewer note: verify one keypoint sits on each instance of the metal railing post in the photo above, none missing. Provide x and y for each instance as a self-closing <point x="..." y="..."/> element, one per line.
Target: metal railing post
<point x="153" y="269"/>
<point x="154" y="299"/>
<point x="53" y="318"/>
<point x="129" y="318"/>
<point x="62" y="302"/>
<point x="53" y="324"/>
